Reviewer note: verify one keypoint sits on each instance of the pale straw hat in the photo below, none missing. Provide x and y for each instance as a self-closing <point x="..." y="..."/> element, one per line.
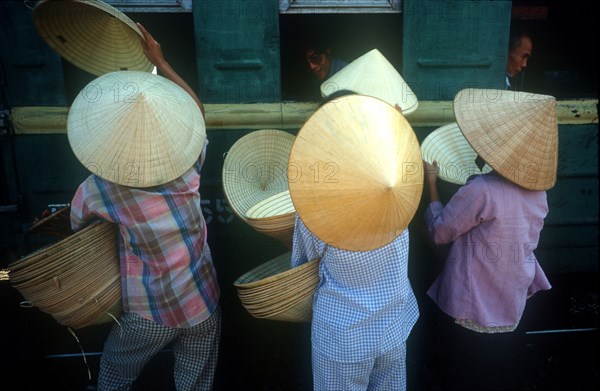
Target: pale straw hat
<point x="356" y="173"/>
<point x="274" y="217"/>
<point x="276" y="291"/>
<point x="516" y="133"/>
<point x="454" y="155"/>
<point x="255" y="169"/>
<point x="135" y="129"/>
<point x="92" y="35"/>
<point x="372" y="74"/>
<point x="76" y="280"/>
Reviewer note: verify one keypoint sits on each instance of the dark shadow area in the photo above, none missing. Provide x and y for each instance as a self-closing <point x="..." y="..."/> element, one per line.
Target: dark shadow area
<point x="564" y="35"/>
<point x="349" y="35"/>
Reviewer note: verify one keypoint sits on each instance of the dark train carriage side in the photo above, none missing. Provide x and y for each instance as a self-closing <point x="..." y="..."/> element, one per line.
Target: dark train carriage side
<point x="244" y="59"/>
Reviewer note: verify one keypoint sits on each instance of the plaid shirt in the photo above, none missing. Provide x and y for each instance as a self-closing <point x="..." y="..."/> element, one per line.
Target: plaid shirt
<point x="166" y="267"/>
<point x="364" y="305"/>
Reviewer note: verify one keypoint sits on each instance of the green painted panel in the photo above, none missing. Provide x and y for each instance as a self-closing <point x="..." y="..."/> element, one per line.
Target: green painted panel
<point x="48" y="171"/>
<point x="454" y="44"/>
<point x="33" y="71"/>
<point x="237" y="48"/>
<point x="573" y="201"/>
<point x="569" y="260"/>
<point x="578" y="150"/>
<point x="568" y="248"/>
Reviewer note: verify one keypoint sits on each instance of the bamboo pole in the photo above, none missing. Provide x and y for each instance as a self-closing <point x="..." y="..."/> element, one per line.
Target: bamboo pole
<point x="287" y="115"/>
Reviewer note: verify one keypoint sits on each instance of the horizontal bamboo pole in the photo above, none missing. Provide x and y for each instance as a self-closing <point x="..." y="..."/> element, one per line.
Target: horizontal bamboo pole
<point x="50" y="120"/>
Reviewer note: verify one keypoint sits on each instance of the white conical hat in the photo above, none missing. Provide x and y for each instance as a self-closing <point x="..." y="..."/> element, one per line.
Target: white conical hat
<point x="355" y="173"/>
<point x="92" y="35"/>
<point x="135" y="128"/>
<point x="515" y="132"/>
<point x="372" y="74"/>
<point x="454" y="155"/>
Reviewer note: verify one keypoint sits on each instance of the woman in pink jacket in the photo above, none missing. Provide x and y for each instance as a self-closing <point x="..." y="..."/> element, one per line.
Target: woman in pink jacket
<point x="493" y="222"/>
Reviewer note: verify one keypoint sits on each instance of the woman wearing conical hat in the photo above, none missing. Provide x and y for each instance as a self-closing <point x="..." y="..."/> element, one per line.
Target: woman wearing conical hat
<point x="143" y="137"/>
<point x="493" y="222"/>
<point x="355" y="178"/>
<point x="502" y="211"/>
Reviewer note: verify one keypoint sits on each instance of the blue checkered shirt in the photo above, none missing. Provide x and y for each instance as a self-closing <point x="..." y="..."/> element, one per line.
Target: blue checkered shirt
<point x="364" y="305"/>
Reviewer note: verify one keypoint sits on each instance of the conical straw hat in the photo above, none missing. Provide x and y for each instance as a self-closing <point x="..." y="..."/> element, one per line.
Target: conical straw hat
<point x="372" y="74"/>
<point x="276" y="291"/>
<point x="274" y="216"/>
<point x="355" y="173"/>
<point x="255" y="168"/>
<point x="516" y="133"/>
<point x="455" y="157"/>
<point x="276" y="205"/>
<point x="135" y="129"/>
<point x="92" y="35"/>
<point x="76" y="280"/>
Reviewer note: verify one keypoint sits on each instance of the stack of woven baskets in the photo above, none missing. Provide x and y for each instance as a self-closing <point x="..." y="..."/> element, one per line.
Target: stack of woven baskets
<point x="276" y="291"/>
<point x="76" y="280"/>
<point x="256" y="185"/>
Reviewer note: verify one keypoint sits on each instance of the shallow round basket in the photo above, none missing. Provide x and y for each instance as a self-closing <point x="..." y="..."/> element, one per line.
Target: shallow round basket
<point x="274" y="290"/>
<point x="453" y="153"/>
<point x="76" y="280"/>
<point x="255" y="168"/>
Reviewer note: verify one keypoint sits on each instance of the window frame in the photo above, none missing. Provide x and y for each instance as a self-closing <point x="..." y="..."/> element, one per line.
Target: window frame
<point x="339" y="6"/>
<point x="151" y="5"/>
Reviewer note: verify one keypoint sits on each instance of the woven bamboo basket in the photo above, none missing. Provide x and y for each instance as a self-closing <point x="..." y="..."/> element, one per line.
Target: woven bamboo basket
<point x="255" y="180"/>
<point x="276" y="291"/>
<point x="76" y="280"/>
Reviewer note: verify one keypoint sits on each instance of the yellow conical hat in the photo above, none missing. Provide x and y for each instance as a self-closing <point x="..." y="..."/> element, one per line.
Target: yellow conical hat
<point x="372" y="74"/>
<point x="355" y="173"/>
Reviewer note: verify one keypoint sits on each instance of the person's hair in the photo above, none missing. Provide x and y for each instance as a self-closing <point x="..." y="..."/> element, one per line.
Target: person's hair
<point x="316" y="38"/>
<point x="517" y="32"/>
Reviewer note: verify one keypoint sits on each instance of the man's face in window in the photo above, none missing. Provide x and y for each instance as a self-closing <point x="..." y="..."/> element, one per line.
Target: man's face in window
<point x="518" y="56"/>
<point x="319" y="63"/>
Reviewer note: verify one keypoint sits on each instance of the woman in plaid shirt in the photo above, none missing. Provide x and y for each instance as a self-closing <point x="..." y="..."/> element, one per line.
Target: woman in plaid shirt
<point x="170" y="293"/>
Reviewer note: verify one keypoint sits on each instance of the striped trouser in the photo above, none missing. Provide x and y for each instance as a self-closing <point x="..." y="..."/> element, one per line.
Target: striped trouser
<point x="134" y="341"/>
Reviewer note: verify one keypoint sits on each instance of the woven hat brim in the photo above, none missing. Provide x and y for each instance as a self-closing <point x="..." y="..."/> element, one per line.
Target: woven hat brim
<point x="276" y="205"/>
<point x="273" y="271"/>
<point x="255" y="168"/>
<point x="372" y="74"/>
<point x="274" y="290"/>
<point x="370" y="177"/>
<point x="455" y="157"/>
<point x="57" y="224"/>
<point x="274" y="217"/>
<point x="76" y="280"/>
<point x="516" y="133"/>
<point x="149" y="134"/>
<point x="92" y="35"/>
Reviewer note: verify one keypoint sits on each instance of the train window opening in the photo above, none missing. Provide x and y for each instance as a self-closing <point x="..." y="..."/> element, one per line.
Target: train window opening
<point x="563" y="62"/>
<point x="349" y="36"/>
